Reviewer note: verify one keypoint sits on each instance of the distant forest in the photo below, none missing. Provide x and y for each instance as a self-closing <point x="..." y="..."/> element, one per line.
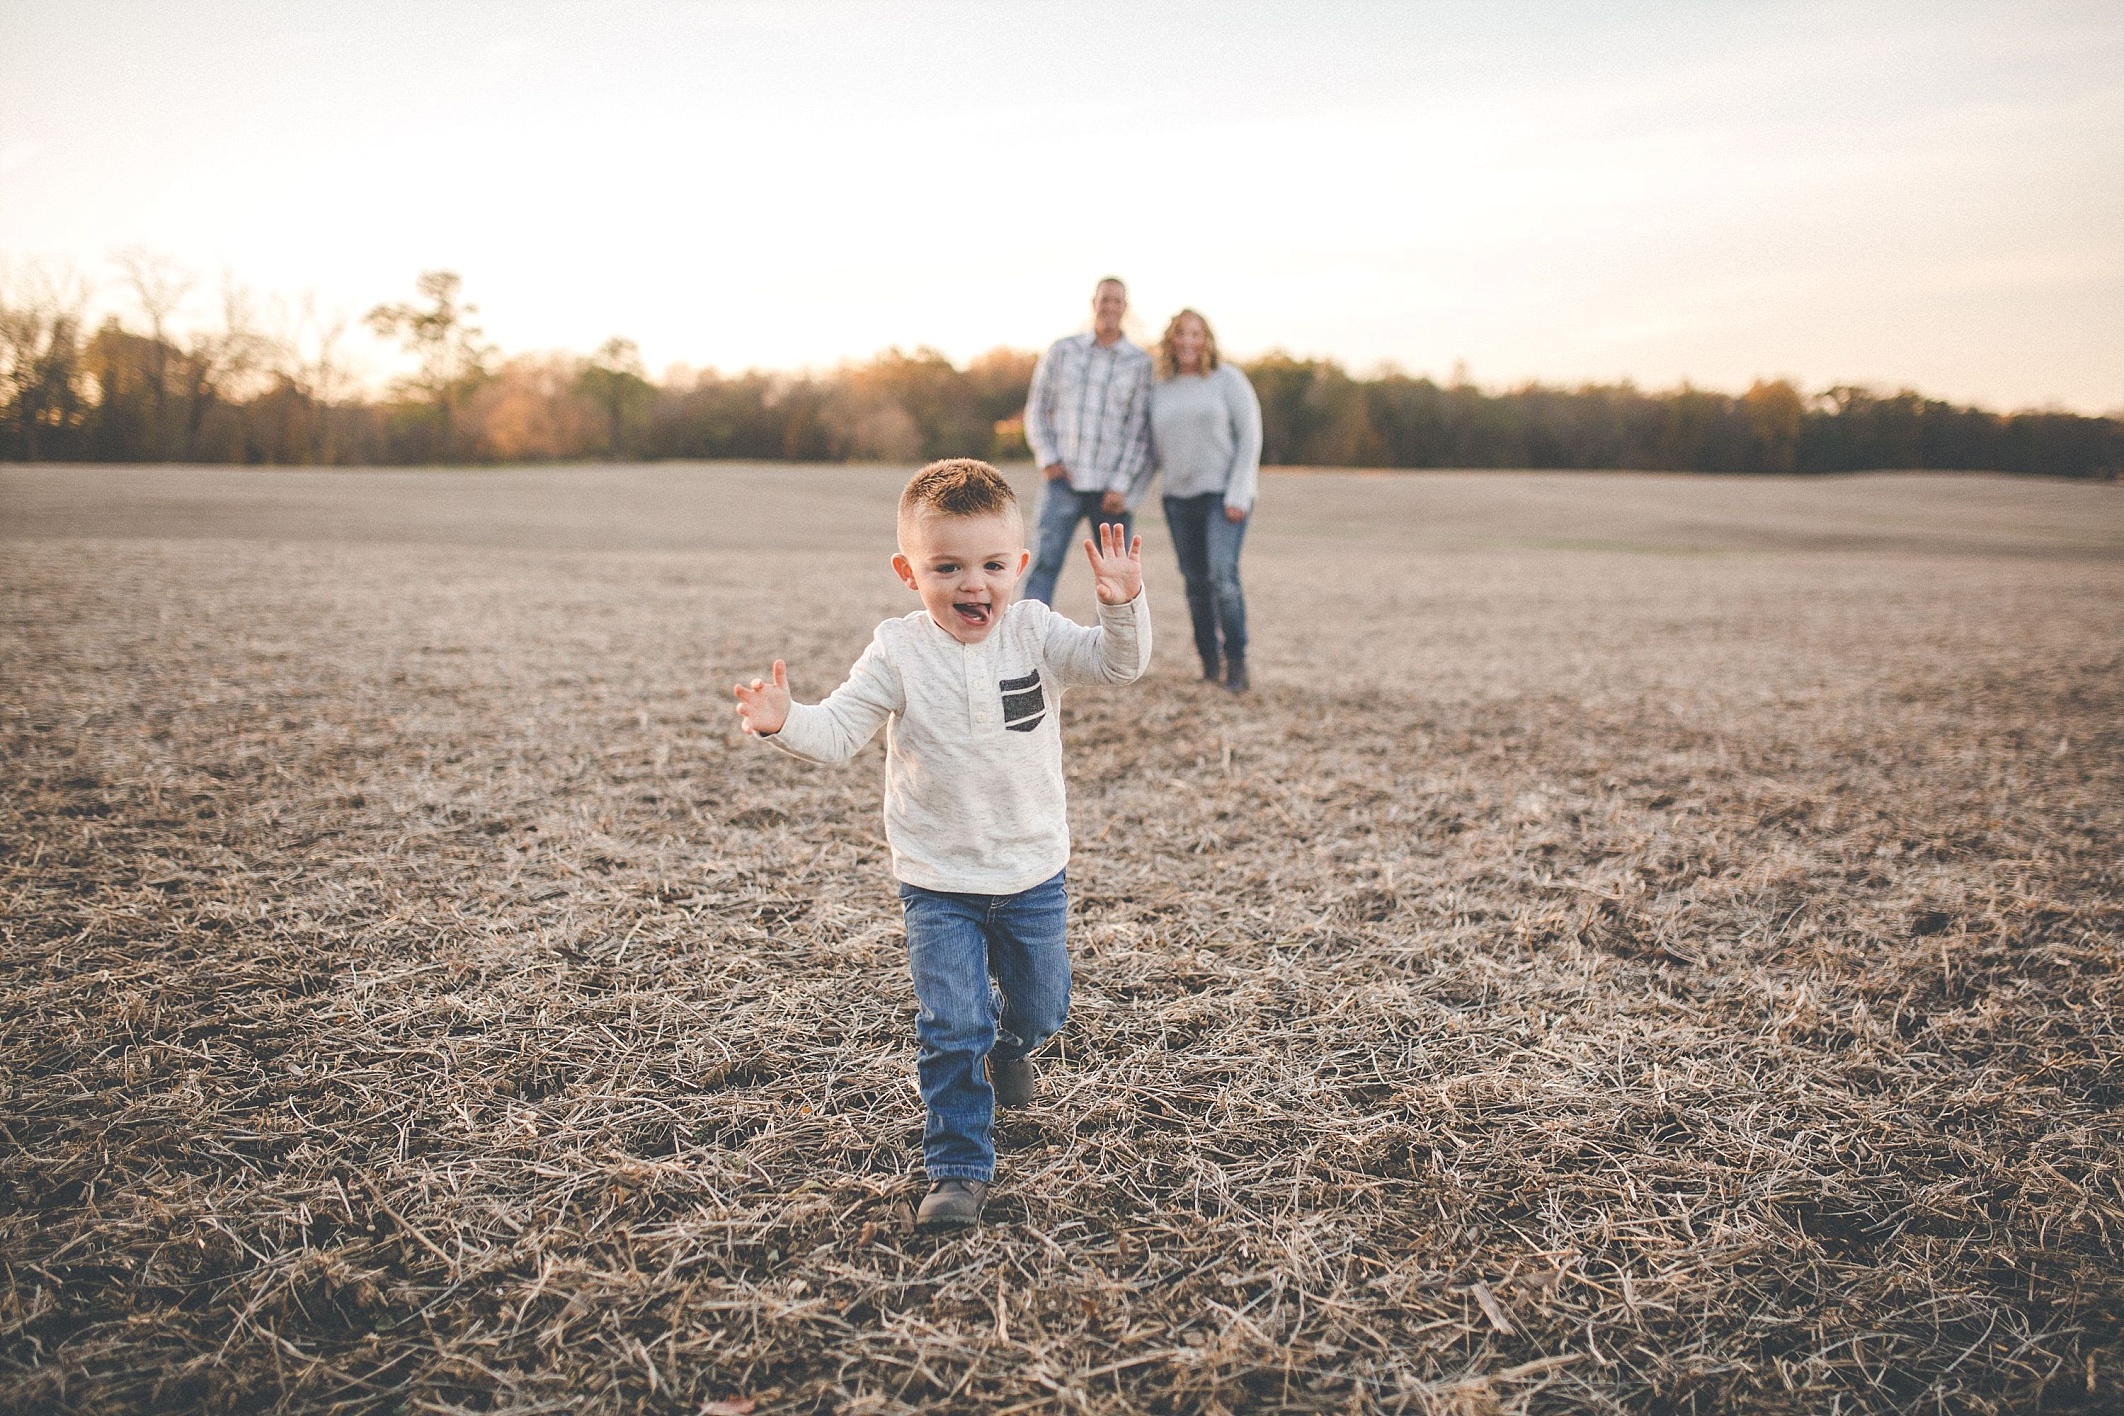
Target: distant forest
<point x="145" y="392"/>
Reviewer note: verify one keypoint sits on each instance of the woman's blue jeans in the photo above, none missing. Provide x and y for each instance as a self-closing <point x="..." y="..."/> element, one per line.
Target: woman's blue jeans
<point x="955" y="945"/>
<point x="1207" y="545"/>
<point x="1062" y="510"/>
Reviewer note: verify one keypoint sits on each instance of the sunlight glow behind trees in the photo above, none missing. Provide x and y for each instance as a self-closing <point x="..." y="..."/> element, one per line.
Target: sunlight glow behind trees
<point x="231" y="392"/>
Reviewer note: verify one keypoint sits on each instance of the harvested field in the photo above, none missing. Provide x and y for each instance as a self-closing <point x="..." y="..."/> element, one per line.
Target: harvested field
<point x="1650" y="944"/>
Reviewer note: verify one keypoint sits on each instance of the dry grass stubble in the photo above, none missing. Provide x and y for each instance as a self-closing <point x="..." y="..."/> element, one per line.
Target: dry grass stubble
<point x="1633" y="975"/>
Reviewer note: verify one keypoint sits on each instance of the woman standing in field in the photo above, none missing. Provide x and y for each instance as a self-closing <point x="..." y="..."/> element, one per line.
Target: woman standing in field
<point x="1206" y="439"/>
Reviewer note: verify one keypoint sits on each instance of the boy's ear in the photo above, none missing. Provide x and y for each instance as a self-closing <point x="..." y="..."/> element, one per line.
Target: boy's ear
<point x="1024" y="560"/>
<point x="904" y="568"/>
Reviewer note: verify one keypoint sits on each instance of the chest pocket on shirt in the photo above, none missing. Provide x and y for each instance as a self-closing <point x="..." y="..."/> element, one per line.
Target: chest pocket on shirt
<point x="1024" y="705"/>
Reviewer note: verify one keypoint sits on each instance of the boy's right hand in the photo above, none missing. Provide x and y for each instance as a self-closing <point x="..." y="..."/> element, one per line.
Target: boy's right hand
<point x="762" y="706"/>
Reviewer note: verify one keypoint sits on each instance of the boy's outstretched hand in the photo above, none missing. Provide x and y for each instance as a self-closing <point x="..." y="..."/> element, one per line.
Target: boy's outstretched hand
<point x="1117" y="565"/>
<point x="763" y="706"/>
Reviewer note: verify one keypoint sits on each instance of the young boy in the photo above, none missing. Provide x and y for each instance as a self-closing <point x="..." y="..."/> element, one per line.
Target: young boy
<point x="969" y="692"/>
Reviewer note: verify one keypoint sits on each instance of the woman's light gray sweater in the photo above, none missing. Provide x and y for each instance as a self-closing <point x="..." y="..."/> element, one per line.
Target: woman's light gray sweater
<point x="1206" y="435"/>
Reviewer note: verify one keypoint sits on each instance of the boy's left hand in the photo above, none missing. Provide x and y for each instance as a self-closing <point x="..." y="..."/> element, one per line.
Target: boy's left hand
<point x="1117" y="565"/>
<point x="763" y="707"/>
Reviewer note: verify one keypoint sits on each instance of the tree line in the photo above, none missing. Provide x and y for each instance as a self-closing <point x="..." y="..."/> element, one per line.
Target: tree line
<point x="232" y="392"/>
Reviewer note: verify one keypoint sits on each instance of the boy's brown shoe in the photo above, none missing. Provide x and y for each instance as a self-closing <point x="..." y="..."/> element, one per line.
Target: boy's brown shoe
<point x="1015" y="1082"/>
<point x="952" y="1204"/>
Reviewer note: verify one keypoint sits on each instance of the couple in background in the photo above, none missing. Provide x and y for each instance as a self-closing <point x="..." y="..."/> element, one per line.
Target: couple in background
<point x="1104" y="417"/>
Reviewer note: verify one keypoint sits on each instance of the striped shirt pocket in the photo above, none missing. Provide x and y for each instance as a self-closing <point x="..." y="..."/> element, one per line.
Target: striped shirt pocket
<point x="1024" y="705"/>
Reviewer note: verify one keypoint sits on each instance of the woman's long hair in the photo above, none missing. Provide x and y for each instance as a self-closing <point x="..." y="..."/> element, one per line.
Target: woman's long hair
<point x="1164" y="353"/>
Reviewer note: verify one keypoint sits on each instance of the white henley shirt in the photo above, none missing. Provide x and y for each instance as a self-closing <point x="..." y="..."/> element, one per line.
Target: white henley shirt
<point x="974" y="798"/>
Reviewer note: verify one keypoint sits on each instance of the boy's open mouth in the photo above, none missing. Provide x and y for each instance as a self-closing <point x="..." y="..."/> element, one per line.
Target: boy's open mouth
<point x="972" y="613"/>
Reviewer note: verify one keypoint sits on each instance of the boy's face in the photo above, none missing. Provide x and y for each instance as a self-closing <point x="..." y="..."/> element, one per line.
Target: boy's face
<point x="964" y="568"/>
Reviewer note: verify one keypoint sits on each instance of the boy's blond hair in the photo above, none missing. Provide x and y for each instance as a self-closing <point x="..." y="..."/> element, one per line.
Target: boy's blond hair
<point x="958" y="486"/>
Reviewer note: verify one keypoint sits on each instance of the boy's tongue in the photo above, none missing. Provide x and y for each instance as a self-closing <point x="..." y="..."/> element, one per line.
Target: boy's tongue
<point x="971" y="613"/>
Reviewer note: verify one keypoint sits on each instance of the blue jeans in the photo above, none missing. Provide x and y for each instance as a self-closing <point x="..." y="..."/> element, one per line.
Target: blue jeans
<point x="954" y="943"/>
<point x="1061" y="508"/>
<point x="1208" y="547"/>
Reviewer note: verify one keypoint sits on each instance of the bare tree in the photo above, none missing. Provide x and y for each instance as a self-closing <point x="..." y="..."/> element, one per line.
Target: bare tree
<point x="40" y="357"/>
<point x="159" y="287"/>
<point x="223" y="365"/>
<point x="319" y="367"/>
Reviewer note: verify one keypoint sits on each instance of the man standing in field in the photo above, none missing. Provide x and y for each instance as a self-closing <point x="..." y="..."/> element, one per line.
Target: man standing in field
<point x="1087" y="417"/>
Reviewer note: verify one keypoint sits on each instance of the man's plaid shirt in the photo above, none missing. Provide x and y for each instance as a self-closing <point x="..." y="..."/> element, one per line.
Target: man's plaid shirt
<point x="1089" y="409"/>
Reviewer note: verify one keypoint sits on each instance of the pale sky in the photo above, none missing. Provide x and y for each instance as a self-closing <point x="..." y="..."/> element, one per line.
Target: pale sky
<point x="1924" y="194"/>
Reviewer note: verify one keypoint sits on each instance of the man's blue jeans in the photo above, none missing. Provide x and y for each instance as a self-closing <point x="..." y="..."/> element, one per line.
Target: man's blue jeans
<point x="954" y="944"/>
<point x="1207" y="545"/>
<point x="1062" y="507"/>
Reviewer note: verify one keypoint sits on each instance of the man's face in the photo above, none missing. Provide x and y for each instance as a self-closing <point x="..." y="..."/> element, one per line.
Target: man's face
<point x="1109" y="304"/>
<point x="964" y="568"/>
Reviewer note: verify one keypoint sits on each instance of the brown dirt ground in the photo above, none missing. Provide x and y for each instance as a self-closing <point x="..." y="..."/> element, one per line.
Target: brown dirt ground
<point x="1650" y="944"/>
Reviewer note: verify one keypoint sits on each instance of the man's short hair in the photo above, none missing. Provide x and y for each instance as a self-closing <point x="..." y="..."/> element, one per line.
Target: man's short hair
<point x="958" y="486"/>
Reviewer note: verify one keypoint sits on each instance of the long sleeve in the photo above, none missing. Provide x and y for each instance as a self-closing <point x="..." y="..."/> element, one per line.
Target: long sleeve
<point x="1245" y="476"/>
<point x="1116" y="650"/>
<point x="1039" y="422"/>
<point x="836" y="729"/>
<point x="1135" y="468"/>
